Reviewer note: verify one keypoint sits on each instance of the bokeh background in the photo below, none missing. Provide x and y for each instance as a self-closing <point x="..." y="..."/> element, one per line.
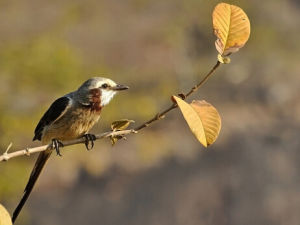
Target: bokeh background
<point x="161" y="175"/>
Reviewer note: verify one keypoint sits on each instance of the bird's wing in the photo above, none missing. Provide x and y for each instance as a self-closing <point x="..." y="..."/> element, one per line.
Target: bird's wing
<point x="56" y="111"/>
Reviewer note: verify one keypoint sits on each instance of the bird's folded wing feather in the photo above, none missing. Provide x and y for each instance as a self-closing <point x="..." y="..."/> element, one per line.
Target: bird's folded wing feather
<point x="56" y="111"/>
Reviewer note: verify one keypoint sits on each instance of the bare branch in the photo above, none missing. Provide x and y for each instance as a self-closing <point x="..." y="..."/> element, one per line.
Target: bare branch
<point x="28" y="151"/>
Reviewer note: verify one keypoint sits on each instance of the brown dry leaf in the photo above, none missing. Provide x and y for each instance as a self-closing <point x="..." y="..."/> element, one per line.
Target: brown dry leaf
<point x="121" y="124"/>
<point x="4" y="216"/>
<point x="202" y="118"/>
<point x="114" y="139"/>
<point x="210" y="118"/>
<point x="232" y="28"/>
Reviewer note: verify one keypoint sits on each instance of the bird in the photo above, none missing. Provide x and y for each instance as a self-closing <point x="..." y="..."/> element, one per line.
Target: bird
<point x="70" y="117"/>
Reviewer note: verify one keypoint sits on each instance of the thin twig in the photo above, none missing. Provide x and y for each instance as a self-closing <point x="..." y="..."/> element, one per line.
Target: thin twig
<point x="28" y="151"/>
<point x="162" y="114"/>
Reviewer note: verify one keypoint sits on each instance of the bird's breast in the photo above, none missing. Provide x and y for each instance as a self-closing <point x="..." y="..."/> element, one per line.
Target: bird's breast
<point x="75" y="123"/>
<point x="84" y="119"/>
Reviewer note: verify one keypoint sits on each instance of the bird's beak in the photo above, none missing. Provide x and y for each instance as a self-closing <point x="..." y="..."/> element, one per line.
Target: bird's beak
<point x="120" y="87"/>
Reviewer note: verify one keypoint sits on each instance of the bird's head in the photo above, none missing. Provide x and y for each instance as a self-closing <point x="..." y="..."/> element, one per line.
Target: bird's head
<point x="100" y="90"/>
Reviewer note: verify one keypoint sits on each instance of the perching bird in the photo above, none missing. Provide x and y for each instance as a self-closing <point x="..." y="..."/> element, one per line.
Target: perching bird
<point x="70" y="117"/>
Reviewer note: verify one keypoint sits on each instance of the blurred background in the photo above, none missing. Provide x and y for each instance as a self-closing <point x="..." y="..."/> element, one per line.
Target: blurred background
<point x="161" y="175"/>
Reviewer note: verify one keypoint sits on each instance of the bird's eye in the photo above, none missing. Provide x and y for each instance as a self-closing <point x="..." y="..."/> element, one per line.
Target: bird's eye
<point x="104" y="85"/>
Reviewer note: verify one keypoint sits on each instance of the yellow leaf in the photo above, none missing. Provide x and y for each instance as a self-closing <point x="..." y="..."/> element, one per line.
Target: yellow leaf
<point x="192" y="119"/>
<point x="121" y="124"/>
<point x="232" y="28"/>
<point x="210" y="118"/>
<point x="202" y="118"/>
<point x="4" y="216"/>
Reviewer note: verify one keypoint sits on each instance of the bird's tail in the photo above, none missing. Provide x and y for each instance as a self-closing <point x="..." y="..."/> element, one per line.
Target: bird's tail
<point x="37" y="169"/>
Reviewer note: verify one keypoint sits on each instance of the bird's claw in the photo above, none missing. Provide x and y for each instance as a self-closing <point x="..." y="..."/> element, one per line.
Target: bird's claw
<point x="89" y="138"/>
<point x="56" y="144"/>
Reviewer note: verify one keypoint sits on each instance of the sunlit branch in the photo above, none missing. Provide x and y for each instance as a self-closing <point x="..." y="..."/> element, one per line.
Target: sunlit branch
<point x="28" y="151"/>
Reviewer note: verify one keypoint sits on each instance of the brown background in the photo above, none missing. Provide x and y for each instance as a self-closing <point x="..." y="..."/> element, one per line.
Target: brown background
<point x="161" y="175"/>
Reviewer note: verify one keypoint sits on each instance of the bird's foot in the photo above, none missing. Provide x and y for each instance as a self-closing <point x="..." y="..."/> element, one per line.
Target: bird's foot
<point x="56" y="144"/>
<point x="89" y="141"/>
